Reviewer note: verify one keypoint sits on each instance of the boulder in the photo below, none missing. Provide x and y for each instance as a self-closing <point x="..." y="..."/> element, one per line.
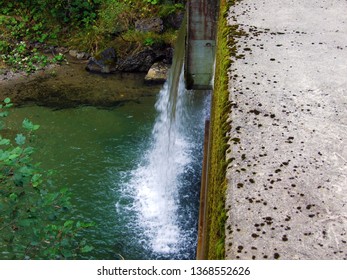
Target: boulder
<point x="143" y="60"/>
<point x="150" y="25"/>
<point x="79" y="55"/>
<point x="158" y="73"/>
<point x="139" y="62"/>
<point x="105" y="62"/>
<point x="73" y="53"/>
<point x="83" y="56"/>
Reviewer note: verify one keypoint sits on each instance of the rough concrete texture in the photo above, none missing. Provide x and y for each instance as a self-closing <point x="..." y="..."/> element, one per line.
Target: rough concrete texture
<point x="287" y="181"/>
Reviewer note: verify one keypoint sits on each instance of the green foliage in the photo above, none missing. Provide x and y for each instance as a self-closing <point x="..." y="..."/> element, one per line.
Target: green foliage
<point x="26" y="26"/>
<point x="22" y="57"/>
<point x="168" y="9"/>
<point x="153" y="2"/>
<point x="149" y="41"/>
<point x="34" y="221"/>
<point x="58" y="58"/>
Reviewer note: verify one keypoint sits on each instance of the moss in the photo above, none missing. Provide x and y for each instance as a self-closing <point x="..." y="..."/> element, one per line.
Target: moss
<point x="220" y="126"/>
<point x="217" y="181"/>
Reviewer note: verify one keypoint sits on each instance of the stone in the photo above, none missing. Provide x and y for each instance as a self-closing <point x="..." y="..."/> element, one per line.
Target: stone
<point x="104" y="63"/>
<point x="73" y="53"/>
<point x="150" y="25"/>
<point x="174" y="20"/>
<point x="62" y="50"/>
<point x="139" y="62"/>
<point x="83" y="56"/>
<point x="158" y="73"/>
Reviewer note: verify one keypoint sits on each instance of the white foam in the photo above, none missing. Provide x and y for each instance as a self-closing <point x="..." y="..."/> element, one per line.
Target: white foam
<point x="156" y="180"/>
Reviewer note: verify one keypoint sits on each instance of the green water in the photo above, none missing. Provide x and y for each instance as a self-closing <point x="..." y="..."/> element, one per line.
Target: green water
<point x="97" y="153"/>
<point x="93" y="151"/>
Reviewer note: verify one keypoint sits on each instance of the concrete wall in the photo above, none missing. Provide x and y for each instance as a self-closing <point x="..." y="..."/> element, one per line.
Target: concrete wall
<point x="200" y="52"/>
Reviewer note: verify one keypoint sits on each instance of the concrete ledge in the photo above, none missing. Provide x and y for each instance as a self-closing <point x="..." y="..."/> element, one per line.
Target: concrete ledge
<point x="287" y="193"/>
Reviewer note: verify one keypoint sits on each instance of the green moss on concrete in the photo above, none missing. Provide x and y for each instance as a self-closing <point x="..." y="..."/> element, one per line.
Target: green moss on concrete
<point x="220" y="126"/>
<point x="218" y="141"/>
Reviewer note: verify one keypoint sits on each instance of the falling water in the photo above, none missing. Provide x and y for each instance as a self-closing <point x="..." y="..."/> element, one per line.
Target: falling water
<point x="166" y="182"/>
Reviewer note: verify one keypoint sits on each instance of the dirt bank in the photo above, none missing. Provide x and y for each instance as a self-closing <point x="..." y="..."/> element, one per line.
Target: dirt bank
<point x="70" y="85"/>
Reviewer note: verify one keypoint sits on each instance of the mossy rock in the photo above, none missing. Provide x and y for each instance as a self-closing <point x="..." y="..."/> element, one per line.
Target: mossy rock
<point x="105" y="62"/>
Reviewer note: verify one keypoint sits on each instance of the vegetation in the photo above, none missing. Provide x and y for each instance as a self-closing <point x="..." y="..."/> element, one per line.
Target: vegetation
<point x="34" y="221"/>
<point x="219" y="140"/>
<point x="27" y="27"/>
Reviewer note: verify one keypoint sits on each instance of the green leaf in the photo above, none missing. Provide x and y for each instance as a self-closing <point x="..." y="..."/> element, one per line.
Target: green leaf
<point x="26" y="170"/>
<point x="68" y="223"/>
<point x="4" y="141"/>
<point x="36" y="180"/>
<point x="7" y="100"/>
<point x="4" y="155"/>
<point x="3" y="114"/>
<point x="28" y="125"/>
<point x="13" y="156"/>
<point x="20" y="139"/>
<point x="67" y="253"/>
<point x="87" y="249"/>
<point x="13" y="196"/>
<point x="65" y="242"/>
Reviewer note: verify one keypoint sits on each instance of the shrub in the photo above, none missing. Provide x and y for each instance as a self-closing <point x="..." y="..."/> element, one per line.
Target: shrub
<point x="34" y="221"/>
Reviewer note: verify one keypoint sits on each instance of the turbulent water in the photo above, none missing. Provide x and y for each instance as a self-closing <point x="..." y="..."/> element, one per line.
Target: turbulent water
<point x="166" y="182"/>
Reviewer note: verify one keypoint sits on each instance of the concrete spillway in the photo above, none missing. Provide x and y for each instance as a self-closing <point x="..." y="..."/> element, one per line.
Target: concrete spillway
<point x="287" y="194"/>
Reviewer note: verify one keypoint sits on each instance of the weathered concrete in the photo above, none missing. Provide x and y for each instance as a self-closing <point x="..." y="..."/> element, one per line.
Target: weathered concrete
<point x="200" y="44"/>
<point x="287" y="195"/>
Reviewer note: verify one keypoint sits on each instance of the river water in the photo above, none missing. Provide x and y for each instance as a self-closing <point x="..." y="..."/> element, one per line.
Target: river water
<point x="134" y="170"/>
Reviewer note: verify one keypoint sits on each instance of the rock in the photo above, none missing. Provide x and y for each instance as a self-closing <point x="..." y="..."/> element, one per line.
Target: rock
<point x="174" y="20"/>
<point x="140" y="62"/>
<point x="79" y="55"/>
<point x="62" y="50"/>
<point x="150" y="25"/>
<point x="104" y="63"/>
<point x="73" y="53"/>
<point x="83" y="56"/>
<point x="143" y="60"/>
<point x="158" y="73"/>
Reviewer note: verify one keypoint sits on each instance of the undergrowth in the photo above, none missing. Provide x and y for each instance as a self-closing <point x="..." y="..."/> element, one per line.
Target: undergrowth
<point x="28" y="27"/>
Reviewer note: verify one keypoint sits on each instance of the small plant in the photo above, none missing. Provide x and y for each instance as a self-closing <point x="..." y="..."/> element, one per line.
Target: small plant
<point x="153" y="2"/>
<point x="34" y="221"/>
<point x="149" y="42"/>
<point x="58" y="58"/>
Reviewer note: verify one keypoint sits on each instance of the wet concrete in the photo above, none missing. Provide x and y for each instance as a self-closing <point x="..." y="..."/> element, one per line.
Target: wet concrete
<point x="287" y="180"/>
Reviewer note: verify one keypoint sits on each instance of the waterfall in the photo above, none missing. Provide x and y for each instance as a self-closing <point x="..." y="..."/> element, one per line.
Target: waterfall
<point x="166" y="182"/>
